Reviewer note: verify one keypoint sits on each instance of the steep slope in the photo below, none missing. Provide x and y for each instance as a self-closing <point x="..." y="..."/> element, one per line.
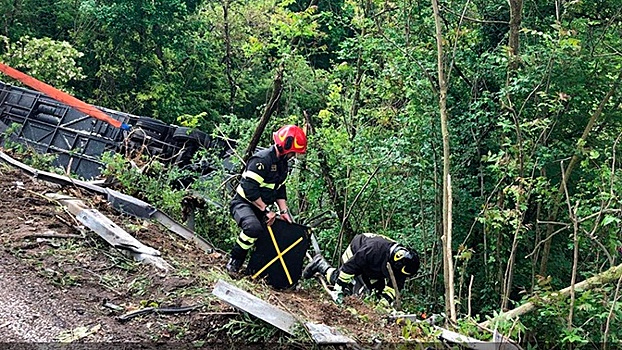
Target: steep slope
<point x="50" y="286"/>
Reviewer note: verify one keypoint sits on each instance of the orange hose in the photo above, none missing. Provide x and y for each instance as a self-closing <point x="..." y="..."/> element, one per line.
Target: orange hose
<point x="61" y="96"/>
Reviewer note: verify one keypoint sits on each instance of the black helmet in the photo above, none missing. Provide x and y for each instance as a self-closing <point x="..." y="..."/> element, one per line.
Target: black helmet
<point x="404" y="261"/>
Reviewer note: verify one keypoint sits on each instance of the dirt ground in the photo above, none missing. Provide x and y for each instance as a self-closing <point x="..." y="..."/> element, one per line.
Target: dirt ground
<point x="66" y="289"/>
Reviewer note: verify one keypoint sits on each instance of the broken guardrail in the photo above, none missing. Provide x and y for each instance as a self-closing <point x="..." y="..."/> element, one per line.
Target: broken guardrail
<point x="119" y="201"/>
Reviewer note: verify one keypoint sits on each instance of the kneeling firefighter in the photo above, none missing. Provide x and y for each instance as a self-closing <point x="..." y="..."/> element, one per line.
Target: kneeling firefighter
<point x="367" y="257"/>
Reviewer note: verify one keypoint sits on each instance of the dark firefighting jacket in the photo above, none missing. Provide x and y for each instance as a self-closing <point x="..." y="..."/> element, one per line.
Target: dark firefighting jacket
<point x="367" y="256"/>
<point x="263" y="177"/>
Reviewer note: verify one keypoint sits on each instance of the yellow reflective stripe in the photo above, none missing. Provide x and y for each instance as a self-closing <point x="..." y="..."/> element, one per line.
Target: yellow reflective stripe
<point x="329" y="273"/>
<point x="245" y="241"/>
<point x="389" y="292"/>
<point x="347" y="255"/>
<point x="345" y="277"/>
<point x="240" y="191"/>
<point x="247" y="238"/>
<point x="252" y="175"/>
<point x="243" y="244"/>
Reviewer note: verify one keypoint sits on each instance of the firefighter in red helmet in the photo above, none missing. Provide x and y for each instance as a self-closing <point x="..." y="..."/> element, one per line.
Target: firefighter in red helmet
<point x="261" y="185"/>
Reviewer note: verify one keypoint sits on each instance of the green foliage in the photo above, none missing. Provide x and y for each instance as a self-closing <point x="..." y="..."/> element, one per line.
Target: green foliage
<point x="152" y="182"/>
<point x="363" y="74"/>
<point x="28" y="154"/>
<point x="155" y="58"/>
<point x="592" y="309"/>
<point x="251" y="330"/>
<point x="51" y="61"/>
<point x="191" y="121"/>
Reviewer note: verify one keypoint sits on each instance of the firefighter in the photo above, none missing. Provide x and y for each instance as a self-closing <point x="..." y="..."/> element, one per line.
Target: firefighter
<point x="261" y="185"/>
<point x="366" y="257"/>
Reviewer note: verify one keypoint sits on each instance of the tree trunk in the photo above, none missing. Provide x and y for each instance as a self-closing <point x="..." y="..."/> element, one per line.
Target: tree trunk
<point x="509" y="271"/>
<point x="271" y="107"/>
<point x="516" y="17"/>
<point x="448" y="269"/>
<point x="337" y="199"/>
<point x="228" y="55"/>
<point x="613" y="274"/>
<point x="356" y="99"/>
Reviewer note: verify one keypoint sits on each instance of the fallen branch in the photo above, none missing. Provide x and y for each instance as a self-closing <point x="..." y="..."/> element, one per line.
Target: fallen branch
<point x="159" y="310"/>
<point x="51" y="234"/>
<point x="613" y="274"/>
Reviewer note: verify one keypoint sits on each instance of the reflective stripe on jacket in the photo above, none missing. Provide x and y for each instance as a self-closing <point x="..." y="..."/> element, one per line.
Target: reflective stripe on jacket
<point x="263" y="177"/>
<point x="368" y="256"/>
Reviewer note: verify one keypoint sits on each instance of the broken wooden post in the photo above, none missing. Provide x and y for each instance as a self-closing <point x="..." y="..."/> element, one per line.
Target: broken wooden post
<point x="397" y="302"/>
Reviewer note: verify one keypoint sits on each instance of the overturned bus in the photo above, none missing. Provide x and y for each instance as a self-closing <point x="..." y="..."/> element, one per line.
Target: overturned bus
<point x="79" y="140"/>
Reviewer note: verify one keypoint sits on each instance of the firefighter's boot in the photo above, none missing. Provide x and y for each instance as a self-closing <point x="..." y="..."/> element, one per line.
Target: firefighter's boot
<point x="317" y="264"/>
<point x="234" y="265"/>
<point x="238" y="255"/>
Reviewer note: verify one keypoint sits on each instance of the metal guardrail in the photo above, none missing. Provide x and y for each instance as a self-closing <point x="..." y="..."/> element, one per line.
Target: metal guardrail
<point x="119" y="201"/>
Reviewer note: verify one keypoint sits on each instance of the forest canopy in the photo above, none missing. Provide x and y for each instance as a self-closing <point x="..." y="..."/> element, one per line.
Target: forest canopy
<point x="519" y="102"/>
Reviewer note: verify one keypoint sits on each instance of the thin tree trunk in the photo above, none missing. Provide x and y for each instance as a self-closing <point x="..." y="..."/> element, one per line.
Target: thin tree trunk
<point x="336" y="197"/>
<point x="516" y="17"/>
<point x="271" y="106"/>
<point x="450" y="308"/>
<point x="356" y="99"/>
<point x="228" y="55"/>
<point x="608" y="323"/>
<point x="438" y="229"/>
<point x="575" y="225"/>
<point x="535" y="257"/>
<point x="575" y="261"/>
<point x="449" y="252"/>
<point x="509" y="271"/>
<point x="303" y="200"/>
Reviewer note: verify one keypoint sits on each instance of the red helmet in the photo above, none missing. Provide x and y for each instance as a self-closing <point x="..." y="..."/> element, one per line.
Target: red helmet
<point x="290" y="138"/>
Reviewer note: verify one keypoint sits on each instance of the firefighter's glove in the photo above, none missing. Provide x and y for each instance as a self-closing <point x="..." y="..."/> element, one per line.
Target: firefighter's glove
<point x="385" y="303"/>
<point x="337" y="296"/>
<point x="388" y="294"/>
<point x="383" y="306"/>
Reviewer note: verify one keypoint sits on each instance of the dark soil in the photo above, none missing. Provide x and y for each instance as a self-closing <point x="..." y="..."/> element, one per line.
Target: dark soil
<point x="67" y="281"/>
